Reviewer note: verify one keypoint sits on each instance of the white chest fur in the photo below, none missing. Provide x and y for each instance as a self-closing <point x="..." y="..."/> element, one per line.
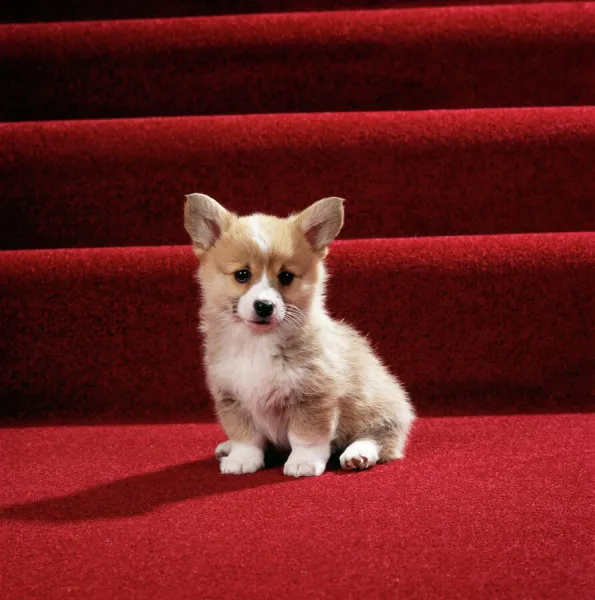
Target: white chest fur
<point x="250" y="368"/>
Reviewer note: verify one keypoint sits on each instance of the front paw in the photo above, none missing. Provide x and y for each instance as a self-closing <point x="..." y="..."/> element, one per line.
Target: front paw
<point x="304" y="466"/>
<point x="229" y="466"/>
<point x="304" y="469"/>
<point x="242" y="459"/>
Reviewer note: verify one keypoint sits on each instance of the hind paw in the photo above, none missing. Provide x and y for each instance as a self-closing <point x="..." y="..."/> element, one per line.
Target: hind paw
<point x="362" y="454"/>
<point x="223" y="450"/>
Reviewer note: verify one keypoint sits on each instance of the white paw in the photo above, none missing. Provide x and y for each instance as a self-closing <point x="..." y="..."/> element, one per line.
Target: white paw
<point x="362" y="454"/>
<point x="242" y="458"/>
<point x="229" y="466"/>
<point x="307" y="461"/>
<point x="223" y="449"/>
<point x="304" y="469"/>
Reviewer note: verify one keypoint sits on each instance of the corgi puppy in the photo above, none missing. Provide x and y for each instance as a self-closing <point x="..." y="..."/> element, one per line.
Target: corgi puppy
<point x="279" y="368"/>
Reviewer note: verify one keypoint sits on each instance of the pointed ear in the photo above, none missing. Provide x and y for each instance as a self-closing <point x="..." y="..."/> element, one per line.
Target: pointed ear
<point x="205" y="220"/>
<point x="322" y="222"/>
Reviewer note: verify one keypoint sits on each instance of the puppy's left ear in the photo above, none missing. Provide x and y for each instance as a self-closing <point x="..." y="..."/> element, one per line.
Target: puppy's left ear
<point x="322" y="222"/>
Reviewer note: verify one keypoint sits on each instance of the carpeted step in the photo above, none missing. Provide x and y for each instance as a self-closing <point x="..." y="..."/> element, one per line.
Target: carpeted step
<point x="81" y="10"/>
<point x="452" y="57"/>
<point x="113" y="331"/>
<point x="122" y="182"/>
<point x="490" y="508"/>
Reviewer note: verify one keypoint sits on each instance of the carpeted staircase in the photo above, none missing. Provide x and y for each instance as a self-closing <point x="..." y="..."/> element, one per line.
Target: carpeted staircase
<point x="463" y="139"/>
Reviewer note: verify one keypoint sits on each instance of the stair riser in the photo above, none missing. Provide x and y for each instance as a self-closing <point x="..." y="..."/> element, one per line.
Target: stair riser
<point x="336" y="61"/>
<point x="122" y="183"/>
<point x="114" y="331"/>
<point x="67" y="10"/>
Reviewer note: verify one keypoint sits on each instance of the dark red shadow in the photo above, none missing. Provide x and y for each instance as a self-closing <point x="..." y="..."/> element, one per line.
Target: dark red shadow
<point x="141" y="494"/>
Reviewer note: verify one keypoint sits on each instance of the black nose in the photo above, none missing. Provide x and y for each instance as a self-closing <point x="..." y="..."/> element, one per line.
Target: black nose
<point x="264" y="308"/>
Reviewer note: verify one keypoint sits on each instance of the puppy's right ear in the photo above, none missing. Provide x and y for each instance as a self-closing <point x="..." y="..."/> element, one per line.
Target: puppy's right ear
<point x="205" y="220"/>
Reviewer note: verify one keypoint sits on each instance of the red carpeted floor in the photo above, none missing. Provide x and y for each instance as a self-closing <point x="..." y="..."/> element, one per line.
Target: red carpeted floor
<point x="462" y="135"/>
<point x="484" y="507"/>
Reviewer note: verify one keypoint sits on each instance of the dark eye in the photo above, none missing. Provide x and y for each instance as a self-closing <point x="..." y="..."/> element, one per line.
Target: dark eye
<point x="285" y="278"/>
<point x="242" y="276"/>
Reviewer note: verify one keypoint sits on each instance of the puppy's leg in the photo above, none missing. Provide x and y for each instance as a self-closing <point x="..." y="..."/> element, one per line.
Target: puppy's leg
<point x="244" y="451"/>
<point x="308" y="456"/>
<point x="381" y="444"/>
<point x="310" y="434"/>
<point x="394" y="447"/>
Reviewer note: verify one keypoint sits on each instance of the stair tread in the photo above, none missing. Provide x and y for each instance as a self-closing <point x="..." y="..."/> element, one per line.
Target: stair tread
<point x="147" y="508"/>
<point x="114" y="330"/>
<point x="122" y="182"/>
<point x="445" y="57"/>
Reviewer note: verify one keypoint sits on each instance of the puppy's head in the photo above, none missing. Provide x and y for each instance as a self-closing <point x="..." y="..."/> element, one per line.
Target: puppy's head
<point x="261" y="272"/>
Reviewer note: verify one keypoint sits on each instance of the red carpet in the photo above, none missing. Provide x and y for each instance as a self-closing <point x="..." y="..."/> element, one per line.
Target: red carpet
<point x="460" y="315"/>
<point x="404" y="174"/>
<point x="483" y="507"/>
<point x="462" y="136"/>
<point x="78" y="10"/>
<point x="430" y="58"/>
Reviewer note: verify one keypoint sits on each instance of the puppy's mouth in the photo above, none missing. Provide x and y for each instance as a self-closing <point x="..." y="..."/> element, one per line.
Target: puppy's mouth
<point x="261" y="324"/>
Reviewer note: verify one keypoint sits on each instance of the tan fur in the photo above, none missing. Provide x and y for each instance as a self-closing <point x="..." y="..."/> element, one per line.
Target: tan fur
<point x="235" y="421"/>
<point x="327" y="381"/>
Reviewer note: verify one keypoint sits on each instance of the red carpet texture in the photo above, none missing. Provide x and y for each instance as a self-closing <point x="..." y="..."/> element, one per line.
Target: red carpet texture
<point x="80" y="10"/>
<point x="431" y="58"/>
<point x="484" y="507"/>
<point x="458" y="316"/>
<point x="119" y="183"/>
<point x="462" y="135"/>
